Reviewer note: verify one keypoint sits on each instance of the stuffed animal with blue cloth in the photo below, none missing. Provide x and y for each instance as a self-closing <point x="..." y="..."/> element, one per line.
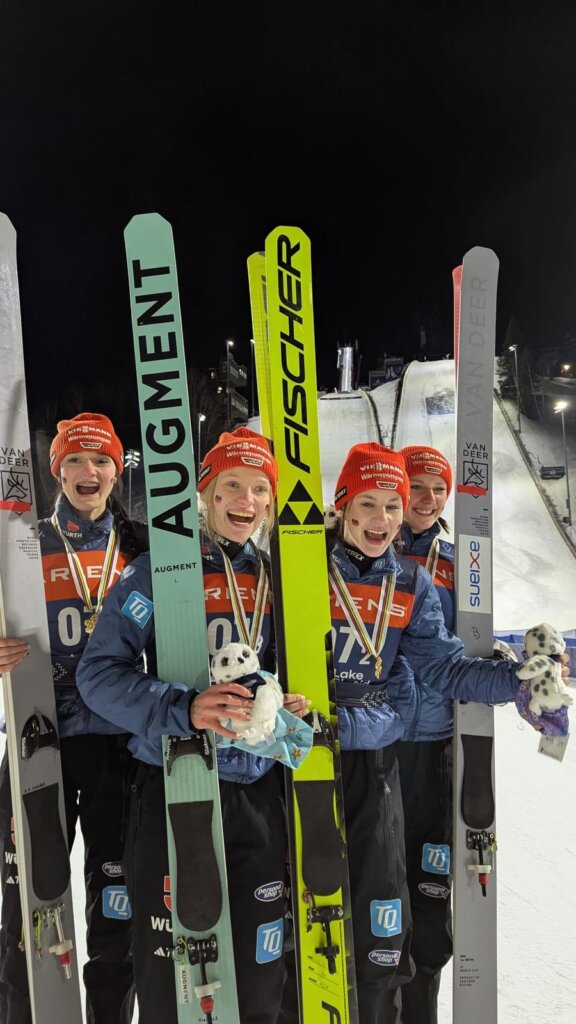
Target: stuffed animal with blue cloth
<point x="544" y="697"/>
<point x="271" y="731"/>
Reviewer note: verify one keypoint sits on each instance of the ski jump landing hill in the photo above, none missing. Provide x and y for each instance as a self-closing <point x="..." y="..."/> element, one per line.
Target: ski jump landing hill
<point x="534" y="568"/>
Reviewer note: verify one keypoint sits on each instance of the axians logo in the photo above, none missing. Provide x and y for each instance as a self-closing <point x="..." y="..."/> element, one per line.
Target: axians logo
<point x="385" y="957"/>
<point x="269" y="892"/>
<point x="474" y="574"/>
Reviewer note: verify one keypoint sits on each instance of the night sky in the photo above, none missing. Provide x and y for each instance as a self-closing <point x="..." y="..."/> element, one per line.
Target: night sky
<point x="396" y="134"/>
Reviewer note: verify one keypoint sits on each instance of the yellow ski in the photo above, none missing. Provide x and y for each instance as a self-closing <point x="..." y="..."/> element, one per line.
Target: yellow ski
<point x="281" y="297"/>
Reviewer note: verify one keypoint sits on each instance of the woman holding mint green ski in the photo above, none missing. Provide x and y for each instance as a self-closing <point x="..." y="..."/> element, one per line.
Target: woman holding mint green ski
<point x="237" y="483"/>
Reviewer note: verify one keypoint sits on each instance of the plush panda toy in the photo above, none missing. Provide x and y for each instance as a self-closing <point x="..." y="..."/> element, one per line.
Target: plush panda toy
<point x="548" y="691"/>
<point x="239" y="663"/>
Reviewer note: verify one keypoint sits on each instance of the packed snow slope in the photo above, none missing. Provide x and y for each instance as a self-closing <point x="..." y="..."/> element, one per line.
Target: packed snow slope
<point x="534" y="570"/>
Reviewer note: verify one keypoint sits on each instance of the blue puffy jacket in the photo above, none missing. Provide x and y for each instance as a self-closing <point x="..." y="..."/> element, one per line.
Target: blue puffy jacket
<point x="417" y="632"/>
<point x="66" y="612"/>
<point x="435" y="720"/>
<point x="113" y="684"/>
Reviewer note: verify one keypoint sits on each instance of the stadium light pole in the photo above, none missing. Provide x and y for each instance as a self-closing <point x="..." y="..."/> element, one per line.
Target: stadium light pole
<point x="514" y="349"/>
<point x="201" y="418"/>
<point x="559" y="407"/>
<point x="229" y="345"/>
<point x="131" y="461"/>
<point x="252" y="343"/>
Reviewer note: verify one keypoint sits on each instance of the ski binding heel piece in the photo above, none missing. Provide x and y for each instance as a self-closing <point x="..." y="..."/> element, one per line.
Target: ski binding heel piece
<point x="38" y="733"/>
<point x="481" y="842"/>
<point x="202" y="952"/>
<point x="324" y="916"/>
<point x="183" y="746"/>
<point x="52" y="916"/>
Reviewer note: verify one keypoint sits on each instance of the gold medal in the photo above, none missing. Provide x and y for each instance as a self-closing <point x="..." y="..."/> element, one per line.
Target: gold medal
<point x="378" y="667"/>
<point x="90" y="623"/>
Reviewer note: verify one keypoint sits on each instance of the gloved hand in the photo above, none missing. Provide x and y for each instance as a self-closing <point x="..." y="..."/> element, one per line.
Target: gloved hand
<point x="543" y="699"/>
<point x="549" y="723"/>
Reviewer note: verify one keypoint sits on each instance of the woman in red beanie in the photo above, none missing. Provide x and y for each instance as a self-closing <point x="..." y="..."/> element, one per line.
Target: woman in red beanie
<point x="237" y="483"/>
<point x="391" y="650"/>
<point x="85" y="544"/>
<point x="425" y="753"/>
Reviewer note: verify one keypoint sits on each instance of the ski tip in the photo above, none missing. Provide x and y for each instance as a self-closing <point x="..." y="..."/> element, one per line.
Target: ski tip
<point x="481" y="252"/>
<point x="291" y="231"/>
<point x="144" y="219"/>
<point x="6" y="224"/>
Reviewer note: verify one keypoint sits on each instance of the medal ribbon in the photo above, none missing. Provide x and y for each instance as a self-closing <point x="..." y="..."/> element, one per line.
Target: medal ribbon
<point x="248" y="634"/>
<point x="433" y="555"/>
<point x="372" y="645"/>
<point x="77" y="572"/>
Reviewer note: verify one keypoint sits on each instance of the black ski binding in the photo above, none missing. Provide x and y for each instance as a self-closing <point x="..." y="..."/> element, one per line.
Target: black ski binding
<point x="182" y="746"/>
<point x="481" y="842"/>
<point x="324" y="916"/>
<point x="38" y="733"/>
<point x="323" y="732"/>
<point x="200" y="953"/>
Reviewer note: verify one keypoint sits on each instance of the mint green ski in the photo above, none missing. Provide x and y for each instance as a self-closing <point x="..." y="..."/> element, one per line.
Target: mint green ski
<point x="203" y="954"/>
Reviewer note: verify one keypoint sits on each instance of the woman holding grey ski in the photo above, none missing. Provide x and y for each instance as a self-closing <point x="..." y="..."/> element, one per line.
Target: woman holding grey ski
<point x="388" y="634"/>
<point x="85" y="544"/>
<point x="237" y="482"/>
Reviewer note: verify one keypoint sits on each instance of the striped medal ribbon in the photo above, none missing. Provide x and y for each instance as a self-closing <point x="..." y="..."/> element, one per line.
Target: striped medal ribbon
<point x="374" y="644"/>
<point x="79" y="578"/>
<point x="249" y="634"/>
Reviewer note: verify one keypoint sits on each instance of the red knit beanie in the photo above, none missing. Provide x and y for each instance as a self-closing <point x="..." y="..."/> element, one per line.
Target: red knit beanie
<point x="369" y="467"/>
<point x="242" y="448"/>
<point x="420" y="459"/>
<point x="87" y="432"/>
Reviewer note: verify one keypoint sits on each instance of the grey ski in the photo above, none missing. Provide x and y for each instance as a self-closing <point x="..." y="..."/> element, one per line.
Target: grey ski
<point x="474" y="861"/>
<point x="29" y="701"/>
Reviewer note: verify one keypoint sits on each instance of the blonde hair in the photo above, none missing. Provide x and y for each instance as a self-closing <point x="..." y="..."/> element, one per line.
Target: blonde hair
<point x="206" y="510"/>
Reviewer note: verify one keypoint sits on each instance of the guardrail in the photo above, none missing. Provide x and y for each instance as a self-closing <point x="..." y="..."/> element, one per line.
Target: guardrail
<point x="545" y="497"/>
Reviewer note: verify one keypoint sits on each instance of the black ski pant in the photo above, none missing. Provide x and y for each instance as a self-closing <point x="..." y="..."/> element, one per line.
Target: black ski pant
<point x="380" y="900"/>
<point x="94" y="770"/>
<point x="426" y="779"/>
<point x="255" y="836"/>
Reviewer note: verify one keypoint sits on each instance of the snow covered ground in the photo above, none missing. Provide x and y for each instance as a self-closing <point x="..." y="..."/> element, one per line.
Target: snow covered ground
<point x="535" y="580"/>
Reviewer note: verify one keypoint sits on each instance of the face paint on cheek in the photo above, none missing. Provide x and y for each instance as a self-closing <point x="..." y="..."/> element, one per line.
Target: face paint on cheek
<point x="217" y="497"/>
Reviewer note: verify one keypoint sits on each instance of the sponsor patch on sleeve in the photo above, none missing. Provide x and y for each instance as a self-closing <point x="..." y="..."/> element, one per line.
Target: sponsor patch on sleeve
<point x="137" y="608"/>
